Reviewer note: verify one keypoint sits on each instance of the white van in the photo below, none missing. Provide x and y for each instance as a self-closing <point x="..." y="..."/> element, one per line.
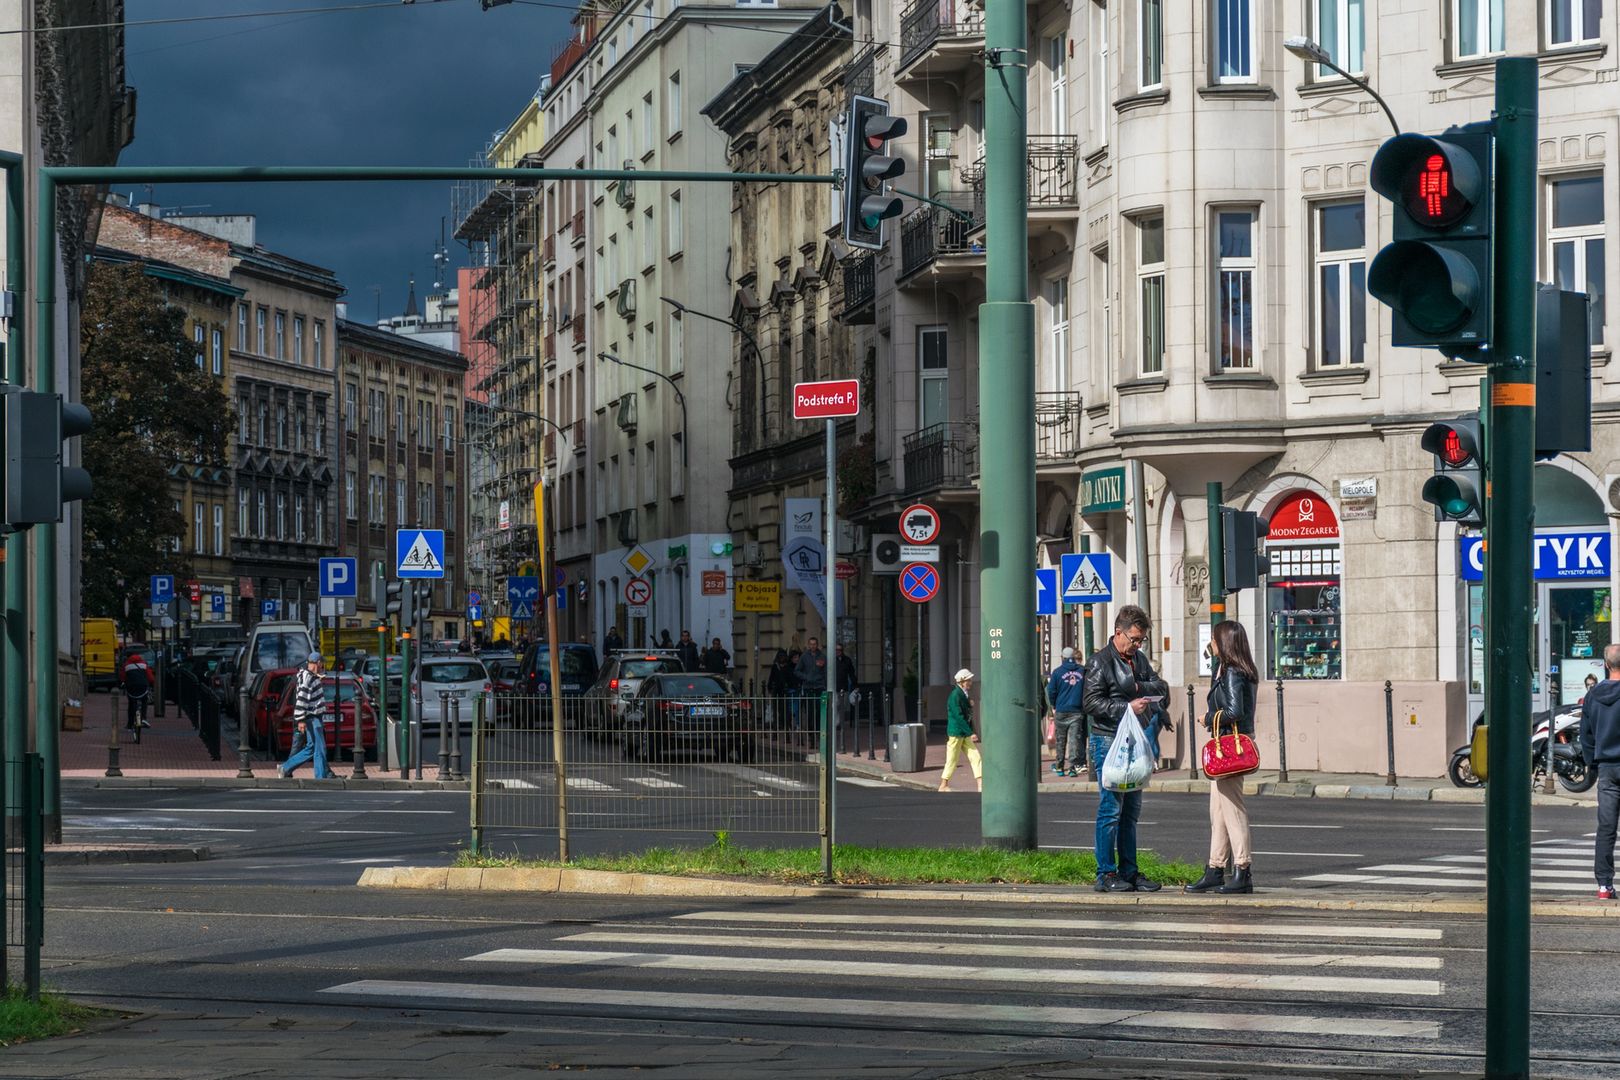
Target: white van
<point x="270" y="645"/>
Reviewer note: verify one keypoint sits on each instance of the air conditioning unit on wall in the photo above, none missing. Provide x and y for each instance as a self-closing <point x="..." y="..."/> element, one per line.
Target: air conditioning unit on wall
<point x="886" y="553"/>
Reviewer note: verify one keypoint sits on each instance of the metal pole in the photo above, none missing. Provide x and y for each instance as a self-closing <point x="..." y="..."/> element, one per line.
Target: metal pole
<point x="1192" y="735"/>
<point x="1217" y="555"/>
<point x="444" y="735"/>
<point x="1087" y="615"/>
<point x="14" y="648"/>
<point x="112" y="736"/>
<point x="1282" y="738"/>
<point x="1007" y="414"/>
<point x="554" y="665"/>
<point x="1389" y="731"/>
<point x="34" y="876"/>
<point x="1509" y="522"/>
<point x="43" y="537"/>
<point x="382" y="690"/>
<point x="244" y="766"/>
<point x="475" y="786"/>
<point x="405" y="730"/>
<point x="829" y="698"/>
<point x="1144" y="574"/>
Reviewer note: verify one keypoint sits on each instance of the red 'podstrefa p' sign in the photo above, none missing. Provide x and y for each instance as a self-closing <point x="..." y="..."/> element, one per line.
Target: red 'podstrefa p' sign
<point x="820" y="400"/>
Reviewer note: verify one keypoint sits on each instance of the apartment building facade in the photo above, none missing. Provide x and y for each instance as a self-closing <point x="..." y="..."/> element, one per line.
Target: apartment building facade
<point x="1199" y="229"/>
<point x="401" y="452"/>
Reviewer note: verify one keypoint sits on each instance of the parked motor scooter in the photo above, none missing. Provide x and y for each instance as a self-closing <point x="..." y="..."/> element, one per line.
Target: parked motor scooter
<point x="1570" y="770"/>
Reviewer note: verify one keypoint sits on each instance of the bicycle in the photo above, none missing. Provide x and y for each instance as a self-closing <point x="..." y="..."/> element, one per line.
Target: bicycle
<point x="138" y="702"/>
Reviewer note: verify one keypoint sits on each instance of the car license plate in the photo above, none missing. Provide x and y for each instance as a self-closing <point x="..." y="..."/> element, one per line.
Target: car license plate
<point x="706" y="710"/>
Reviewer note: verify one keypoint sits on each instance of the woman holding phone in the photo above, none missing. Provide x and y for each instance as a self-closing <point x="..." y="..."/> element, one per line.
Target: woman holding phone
<point x="1232" y="694"/>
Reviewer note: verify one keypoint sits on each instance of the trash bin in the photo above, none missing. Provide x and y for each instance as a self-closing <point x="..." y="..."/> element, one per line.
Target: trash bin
<point x="908" y="747"/>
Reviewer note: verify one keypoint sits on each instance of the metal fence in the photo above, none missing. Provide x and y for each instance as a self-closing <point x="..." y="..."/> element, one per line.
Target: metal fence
<point x="742" y="764"/>
<point x="24" y="873"/>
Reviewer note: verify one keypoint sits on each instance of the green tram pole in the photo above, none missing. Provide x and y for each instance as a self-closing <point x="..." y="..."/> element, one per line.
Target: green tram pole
<point x="1008" y="705"/>
<point x="47" y="693"/>
<point x="1217" y="555"/>
<point x="14" y="610"/>
<point x="1509" y="521"/>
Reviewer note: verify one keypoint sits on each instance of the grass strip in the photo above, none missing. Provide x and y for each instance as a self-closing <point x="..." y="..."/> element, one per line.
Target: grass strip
<point x="22" y="1020"/>
<point x="858" y="865"/>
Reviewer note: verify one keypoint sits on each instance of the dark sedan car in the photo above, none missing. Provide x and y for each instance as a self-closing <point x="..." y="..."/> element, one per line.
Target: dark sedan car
<point x="687" y="713"/>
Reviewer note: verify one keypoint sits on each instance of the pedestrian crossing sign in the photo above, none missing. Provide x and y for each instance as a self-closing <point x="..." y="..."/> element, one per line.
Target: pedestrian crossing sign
<point x="1087" y="579"/>
<point x="419" y="553"/>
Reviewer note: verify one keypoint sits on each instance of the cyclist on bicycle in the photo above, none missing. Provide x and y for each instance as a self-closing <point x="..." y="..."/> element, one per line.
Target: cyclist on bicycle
<point x="137" y="687"/>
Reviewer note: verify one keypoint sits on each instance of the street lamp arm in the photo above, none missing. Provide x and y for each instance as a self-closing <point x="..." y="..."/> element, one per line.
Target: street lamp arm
<point x="735" y="325"/>
<point x="1313" y="53"/>
<point x="558" y="428"/>
<point x="1365" y="85"/>
<point x="680" y="398"/>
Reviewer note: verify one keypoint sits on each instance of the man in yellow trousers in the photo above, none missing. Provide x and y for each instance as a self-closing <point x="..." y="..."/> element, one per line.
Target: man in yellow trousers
<point x="960" y="738"/>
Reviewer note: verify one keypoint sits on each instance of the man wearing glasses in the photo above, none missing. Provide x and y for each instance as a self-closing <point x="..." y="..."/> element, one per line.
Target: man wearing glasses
<point x="1119" y="677"/>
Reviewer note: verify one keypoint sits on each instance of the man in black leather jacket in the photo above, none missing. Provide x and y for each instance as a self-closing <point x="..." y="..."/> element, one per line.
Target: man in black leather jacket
<point x="1119" y="677"/>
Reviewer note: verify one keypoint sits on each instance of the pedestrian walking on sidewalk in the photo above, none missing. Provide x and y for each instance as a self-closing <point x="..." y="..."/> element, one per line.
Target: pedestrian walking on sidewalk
<point x="1600" y="748"/>
<point x="1066" y="691"/>
<point x="960" y="738"/>
<point x="690" y="655"/>
<point x="1232" y="694"/>
<point x="779" y="687"/>
<point x="308" y="701"/>
<point x="1119" y="677"/>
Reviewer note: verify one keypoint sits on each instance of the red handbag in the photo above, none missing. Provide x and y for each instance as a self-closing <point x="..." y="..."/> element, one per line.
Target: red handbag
<point x="1229" y="755"/>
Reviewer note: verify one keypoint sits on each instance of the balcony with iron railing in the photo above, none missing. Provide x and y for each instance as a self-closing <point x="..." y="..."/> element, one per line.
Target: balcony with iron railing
<point x="579" y="227"/>
<point x="549" y="251"/>
<point x="1057" y="427"/>
<point x="860" y="288"/>
<point x="934" y="236"/>
<point x="939" y="37"/>
<point x="1054" y="172"/>
<point x="943" y="457"/>
<point x="860" y="77"/>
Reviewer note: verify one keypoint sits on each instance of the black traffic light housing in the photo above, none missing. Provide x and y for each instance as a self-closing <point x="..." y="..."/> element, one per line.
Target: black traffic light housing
<point x="1436" y="274"/>
<point x="1243" y="557"/>
<point x="1457" y="488"/>
<point x="1563" y="372"/>
<point x="36" y="482"/>
<point x="869" y="166"/>
<point x="400" y="600"/>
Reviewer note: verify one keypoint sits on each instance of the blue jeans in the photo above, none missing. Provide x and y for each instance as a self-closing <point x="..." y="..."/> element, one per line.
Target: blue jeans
<point x="1608" y="792"/>
<point x="313" y="750"/>
<point x="1116" y="820"/>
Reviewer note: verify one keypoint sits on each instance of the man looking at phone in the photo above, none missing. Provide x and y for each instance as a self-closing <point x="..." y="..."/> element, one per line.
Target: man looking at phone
<point x="1119" y="677"/>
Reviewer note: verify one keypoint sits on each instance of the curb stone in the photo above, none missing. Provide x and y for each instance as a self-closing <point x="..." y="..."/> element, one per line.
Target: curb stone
<point x="342" y="783"/>
<point x="69" y="856"/>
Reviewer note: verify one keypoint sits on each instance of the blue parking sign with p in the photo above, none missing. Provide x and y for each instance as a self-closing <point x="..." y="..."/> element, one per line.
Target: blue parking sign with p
<point x="269" y="609"/>
<point x="216" y="603"/>
<point x="340" y="577"/>
<point x="162" y="589"/>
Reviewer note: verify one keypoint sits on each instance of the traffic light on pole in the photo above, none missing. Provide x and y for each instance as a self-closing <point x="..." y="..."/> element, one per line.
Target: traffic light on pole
<point x="868" y="169"/>
<point x="36" y="482"/>
<point x="401" y="601"/>
<point x="1244" y="560"/>
<point x="1457" y="488"/>
<point x="1436" y="275"/>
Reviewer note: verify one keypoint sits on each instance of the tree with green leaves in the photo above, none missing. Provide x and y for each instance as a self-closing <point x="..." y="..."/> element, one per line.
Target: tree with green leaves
<point x="154" y="408"/>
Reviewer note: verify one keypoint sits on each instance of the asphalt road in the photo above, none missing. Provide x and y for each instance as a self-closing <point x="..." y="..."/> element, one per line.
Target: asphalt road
<point x="405" y="984"/>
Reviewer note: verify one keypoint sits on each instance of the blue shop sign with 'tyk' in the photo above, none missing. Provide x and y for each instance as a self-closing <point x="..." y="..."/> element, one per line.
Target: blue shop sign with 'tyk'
<point x="1559" y="556"/>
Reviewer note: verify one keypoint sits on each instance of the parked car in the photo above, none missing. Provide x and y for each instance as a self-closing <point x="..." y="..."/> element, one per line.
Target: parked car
<point x="368" y="668"/>
<point x="219" y="680"/>
<point x="271" y="644"/>
<point x="503" y="674"/>
<point x="531" y="690"/>
<point x="617" y="682"/>
<point x="343" y="694"/>
<point x="265" y="696"/>
<point x="463" y="677"/>
<point x="688" y="712"/>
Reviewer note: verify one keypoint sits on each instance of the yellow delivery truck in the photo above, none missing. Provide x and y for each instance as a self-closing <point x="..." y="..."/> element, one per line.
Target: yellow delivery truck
<point x="99" y="647"/>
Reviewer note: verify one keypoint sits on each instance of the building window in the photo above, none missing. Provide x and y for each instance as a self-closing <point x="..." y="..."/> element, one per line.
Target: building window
<point x="449" y="428"/>
<point x="1573" y="22"/>
<point x="281" y="515"/>
<point x="320" y="520"/>
<point x="281" y="336"/>
<point x="199" y="535"/>
<point x="1057" y="66"/>
<point x="672" y="102"/>
<point x="197" y="334"/>
<point x="298" y="519"/>
<point x="219" y="528"/>
<point x="933" y="377"/>
<point x="264" y="424"/>
<point x="677" y="343"/>
<point x="449" y="508"/>
<point x="1339" y="31"/>
<point x="241" y="513"/>
<point x="399" y="418"/>
<point x="1341" y="284"/>
<point x="320" y="344"/>
<point x="320" y="431"/>
<point x="349" y="509"/>
<point x="1478" y="27"/>
<point x="261" y="318"/>
<point x="674" y="218"/>
<point x="1235" y="265"/>
<point x="351" y="395"/>
<point x="262" y="521"/>
<point x="1234" y="41"/>
<point x="178" y="538"/>
<point x="1100" y="81"/>
<point x="1150" y="32"/>
<point x="298" y="339"/>
<point x="937" y="160"/>
<point x="399" y="503"/>
<point x="281" y="427"/>
<point x="216" y="352"/>
<point x="1150" y="291"/>
<point x="301" y="428"/>
<point x="1057" y="310"/>
<point x="1575" y="242"/>
<point x="241" y="326"/>
<point x="649" y="124"/>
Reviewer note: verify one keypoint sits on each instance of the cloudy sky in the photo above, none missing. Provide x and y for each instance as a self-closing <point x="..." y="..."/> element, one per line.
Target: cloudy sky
<point x="424" y="83"/>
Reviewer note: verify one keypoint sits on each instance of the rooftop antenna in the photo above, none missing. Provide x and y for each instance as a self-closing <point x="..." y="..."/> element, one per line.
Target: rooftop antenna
<point x="441" y="259"/>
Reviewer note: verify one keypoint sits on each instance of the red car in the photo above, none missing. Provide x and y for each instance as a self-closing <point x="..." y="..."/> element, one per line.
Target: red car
<point x="264" y="699"/>
<point x="348" y="693"/>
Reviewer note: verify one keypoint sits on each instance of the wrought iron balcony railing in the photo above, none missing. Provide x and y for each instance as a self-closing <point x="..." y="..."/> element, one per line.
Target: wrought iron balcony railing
<point x="942" y="456"/>
<point x="1054" y="171"/>
<point x="860" y="281"/>
<point x="1057" y="426"/>
<point x="931" y="231"/>
<point x="927" y="22"/>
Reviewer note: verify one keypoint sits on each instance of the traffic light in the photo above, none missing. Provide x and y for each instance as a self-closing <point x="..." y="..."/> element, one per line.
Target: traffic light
<point x="1457" y="488"/>
<point x="1436" y="275"/>
<point x="1243" y="558"/>
<point x="37" y="483"/>
<point x="868" y="170"/>
<point x="401" y="601"/>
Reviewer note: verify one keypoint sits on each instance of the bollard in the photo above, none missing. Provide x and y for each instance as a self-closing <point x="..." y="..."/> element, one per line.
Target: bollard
<point x="888" y="720"/>
<point x="1389" y="729"/>
<point x="871" y="726"/>
<point x="1192" y="734"/>
<point x="112" y="737"/>
<point x="359" y="772"/>
<point x="1282" y="737"/>
<point x="244" y="770"/>
<point x="455" y="738"/>
<point x="444" y="735"/>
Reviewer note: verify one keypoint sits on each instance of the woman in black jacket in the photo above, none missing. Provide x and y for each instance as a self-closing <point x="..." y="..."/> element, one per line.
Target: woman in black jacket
<point x="1231" y="693"/>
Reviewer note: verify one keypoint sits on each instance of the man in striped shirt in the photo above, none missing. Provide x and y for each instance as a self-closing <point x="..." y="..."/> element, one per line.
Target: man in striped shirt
<point x="309" y="738"/>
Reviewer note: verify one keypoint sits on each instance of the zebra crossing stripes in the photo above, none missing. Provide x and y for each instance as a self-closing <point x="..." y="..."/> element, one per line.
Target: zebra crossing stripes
<point x="590" y="785"/>
<point x="1558" y="865"/>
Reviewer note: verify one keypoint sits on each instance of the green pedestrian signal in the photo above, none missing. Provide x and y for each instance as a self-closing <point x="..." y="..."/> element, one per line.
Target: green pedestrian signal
<point x="1457" y="488"/>
<point x="1436" y="274"/>
<point x="868" y="170"/>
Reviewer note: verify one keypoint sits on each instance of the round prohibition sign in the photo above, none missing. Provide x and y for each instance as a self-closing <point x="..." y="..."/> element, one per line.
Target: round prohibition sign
<point x="919" y="523"/>
<point x="637" y="591"/>
<point x="919" y="582"/>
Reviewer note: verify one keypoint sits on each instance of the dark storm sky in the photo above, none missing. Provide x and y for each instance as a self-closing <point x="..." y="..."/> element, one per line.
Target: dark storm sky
<point x="420" y="84"/>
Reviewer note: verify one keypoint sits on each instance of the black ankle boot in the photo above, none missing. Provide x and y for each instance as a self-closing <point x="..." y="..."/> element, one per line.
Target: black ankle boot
<point x="1241" y="882"/>
<point x="1213" y="876"/>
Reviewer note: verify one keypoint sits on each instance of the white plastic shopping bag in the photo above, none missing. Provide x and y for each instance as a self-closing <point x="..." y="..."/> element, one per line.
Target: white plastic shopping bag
<point x="1129" y="763"/>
